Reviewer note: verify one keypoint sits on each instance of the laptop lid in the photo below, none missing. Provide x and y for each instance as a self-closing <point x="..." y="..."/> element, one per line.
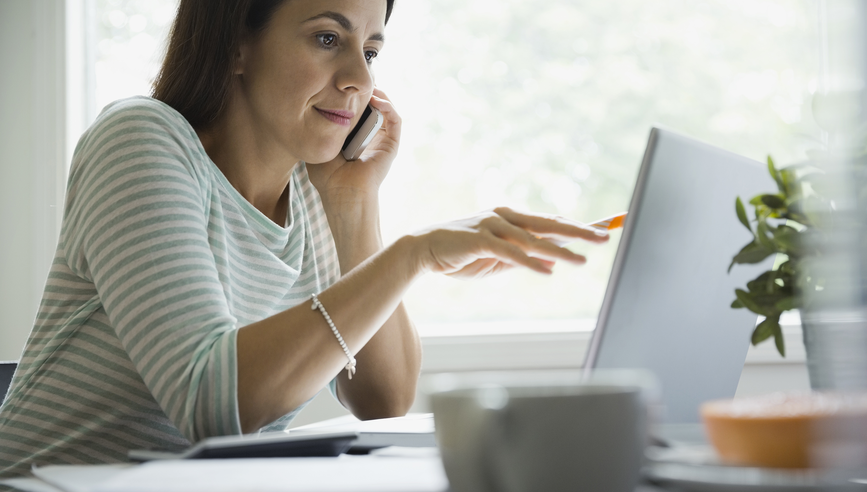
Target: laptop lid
<point x="667" y="305"/>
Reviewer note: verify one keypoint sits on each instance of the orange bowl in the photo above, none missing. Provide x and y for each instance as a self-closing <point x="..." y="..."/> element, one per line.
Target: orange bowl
<point x="801" y="430"/>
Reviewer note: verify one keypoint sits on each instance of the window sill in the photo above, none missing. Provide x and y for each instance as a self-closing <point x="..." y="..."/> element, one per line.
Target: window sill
<point x="552" y="345"/>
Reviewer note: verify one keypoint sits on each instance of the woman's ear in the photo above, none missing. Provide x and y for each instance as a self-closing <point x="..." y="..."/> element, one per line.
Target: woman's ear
<point x="239" y="58"/>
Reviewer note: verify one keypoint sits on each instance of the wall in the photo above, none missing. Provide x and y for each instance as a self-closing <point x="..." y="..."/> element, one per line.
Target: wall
<point x="32" y="150"/>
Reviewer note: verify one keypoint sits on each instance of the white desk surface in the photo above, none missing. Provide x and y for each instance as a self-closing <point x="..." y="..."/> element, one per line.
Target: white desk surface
<point x="345" y="473"/>
<point x="387" y="470"/>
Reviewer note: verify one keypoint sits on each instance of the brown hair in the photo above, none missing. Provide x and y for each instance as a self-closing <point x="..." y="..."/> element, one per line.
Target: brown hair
<point x="197" y="72"/>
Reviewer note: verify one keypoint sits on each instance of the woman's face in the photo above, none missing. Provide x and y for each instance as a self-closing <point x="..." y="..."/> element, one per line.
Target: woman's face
<point x="306" y="78"/>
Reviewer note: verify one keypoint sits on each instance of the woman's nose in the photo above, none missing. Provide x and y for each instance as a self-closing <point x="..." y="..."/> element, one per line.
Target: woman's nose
<point x="355" y="74"/>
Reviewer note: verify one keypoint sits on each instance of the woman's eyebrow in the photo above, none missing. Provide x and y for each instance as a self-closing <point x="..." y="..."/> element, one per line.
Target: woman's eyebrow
<point x="335" y="16"/>
<point x="344" y="23"/>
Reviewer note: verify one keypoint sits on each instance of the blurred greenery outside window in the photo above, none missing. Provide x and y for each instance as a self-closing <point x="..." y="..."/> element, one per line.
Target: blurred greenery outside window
<point x="542" y="106"/>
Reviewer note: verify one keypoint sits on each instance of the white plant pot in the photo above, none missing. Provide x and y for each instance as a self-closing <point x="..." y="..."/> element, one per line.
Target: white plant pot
<point x="836" y="345"/>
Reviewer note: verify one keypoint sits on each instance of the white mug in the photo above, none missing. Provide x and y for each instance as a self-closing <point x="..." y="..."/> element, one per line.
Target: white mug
<point x="543" y="434"/>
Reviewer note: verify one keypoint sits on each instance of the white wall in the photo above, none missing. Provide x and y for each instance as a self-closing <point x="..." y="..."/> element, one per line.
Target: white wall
<point x="32" y="149"/>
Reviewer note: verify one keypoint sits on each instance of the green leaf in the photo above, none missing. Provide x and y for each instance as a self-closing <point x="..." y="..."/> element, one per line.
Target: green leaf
<point x="800" y="218"/>
<point x="766" y="284"/>
<point x="761" y="282"/>
<point x="789" y="239"/>
<point x="772" y="170"/>
<point x="790" y="180"/>
<point x="770" y="327"/>
<point x="756" y="200"/>
<point x="776" y="175"/>
<point x="751" y="253"/>
<point x="737" y="304"/>
<point x="787" y="267"/>
<point x="784" y="280"/>
<point x="742" y="214"/>
<point x="786" y="304"/>
<point x="763" y="230"/>
<point x="764" y="331"/>
<point x="795" y="212"/>
<point x="778" y="339"/>
<point x="748" y="302"/>
<point x="767" y="302"/>
<point x="774" y="201"/>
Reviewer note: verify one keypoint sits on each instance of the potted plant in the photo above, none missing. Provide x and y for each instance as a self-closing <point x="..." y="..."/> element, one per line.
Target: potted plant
<point x="781" y="224"/>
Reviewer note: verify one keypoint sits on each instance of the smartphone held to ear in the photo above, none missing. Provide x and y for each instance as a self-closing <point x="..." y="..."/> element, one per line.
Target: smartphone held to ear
<point x="370" y="122"/>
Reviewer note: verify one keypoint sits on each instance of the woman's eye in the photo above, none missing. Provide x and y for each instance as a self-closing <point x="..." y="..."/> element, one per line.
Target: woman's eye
<point x="370" y="55"/>
<point x="327" y="40"/>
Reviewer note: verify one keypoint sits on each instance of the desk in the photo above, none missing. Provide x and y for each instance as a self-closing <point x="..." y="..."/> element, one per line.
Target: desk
<point x="398" y="469"/>
<point x="385" y="470"/>
<point x="344" y="474"/>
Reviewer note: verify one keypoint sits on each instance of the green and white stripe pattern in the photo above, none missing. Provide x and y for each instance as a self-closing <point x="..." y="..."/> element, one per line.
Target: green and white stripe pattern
<point x="160" y="261"/>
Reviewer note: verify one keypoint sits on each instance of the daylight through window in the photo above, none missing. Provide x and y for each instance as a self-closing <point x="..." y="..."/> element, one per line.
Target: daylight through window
<point x="543" y="106"/>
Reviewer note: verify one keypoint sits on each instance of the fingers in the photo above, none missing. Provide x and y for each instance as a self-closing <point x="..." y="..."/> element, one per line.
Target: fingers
<point x="549" y="264"/>
<point x="392" y="125"/>
<point x="511" y="254"/>
<point x="552" y="227"/>
<point x="486" y="244"/>
<point x="531" y="245"/>
<point x="481" y="268"/>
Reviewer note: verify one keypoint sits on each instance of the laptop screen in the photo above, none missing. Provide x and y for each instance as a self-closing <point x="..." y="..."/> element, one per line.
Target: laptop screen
<point x="667" y="305"/>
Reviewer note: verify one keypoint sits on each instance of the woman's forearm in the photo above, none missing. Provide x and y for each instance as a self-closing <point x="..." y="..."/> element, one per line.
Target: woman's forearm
<point x="287" y="358"/>
<point x="391" y="360"/>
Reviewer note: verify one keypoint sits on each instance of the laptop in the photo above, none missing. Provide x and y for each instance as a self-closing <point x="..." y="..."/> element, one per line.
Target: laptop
<point x="667" y="305"/>
<point x="666" y="308"/>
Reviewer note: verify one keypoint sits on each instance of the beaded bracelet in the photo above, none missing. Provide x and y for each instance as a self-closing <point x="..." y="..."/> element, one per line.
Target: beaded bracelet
<point x="350" y="366"/>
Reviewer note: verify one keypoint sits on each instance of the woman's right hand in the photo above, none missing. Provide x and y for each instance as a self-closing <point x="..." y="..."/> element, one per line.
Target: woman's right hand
<point x="285" y="359"/>
<point x="493" y="241"/>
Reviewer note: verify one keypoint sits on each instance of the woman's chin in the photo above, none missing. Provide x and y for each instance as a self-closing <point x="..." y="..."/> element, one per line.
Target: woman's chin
<point x="323" y="154"/>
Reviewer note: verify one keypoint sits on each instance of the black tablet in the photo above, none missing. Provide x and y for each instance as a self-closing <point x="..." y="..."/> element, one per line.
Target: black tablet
<point x="269" y="445"/>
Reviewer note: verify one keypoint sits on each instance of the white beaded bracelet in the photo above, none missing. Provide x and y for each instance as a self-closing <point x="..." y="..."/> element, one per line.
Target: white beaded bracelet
<point x="350" y="366"/>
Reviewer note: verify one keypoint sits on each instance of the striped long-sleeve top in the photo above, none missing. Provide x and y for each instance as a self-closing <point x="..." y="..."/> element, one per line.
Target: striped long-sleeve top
<point x="159" y="262"/>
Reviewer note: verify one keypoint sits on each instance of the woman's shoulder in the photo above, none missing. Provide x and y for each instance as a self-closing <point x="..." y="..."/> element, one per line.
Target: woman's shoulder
<point x="142" y="124"/>
<point x="140" y="105"/>
<point x="141" y="111"/>
<point x="138" y="135"/>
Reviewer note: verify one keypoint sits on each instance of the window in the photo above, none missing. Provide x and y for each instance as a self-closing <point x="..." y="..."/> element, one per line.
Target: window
<point x="543" y="106"/>
<point x="129" y="46"/>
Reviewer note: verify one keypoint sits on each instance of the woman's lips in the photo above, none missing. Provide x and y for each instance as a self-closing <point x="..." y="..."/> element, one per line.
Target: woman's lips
<point x="337" y="116"/>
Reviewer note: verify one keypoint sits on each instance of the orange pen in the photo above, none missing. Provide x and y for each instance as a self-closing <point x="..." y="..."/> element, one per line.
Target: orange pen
<point x="611" y="223"/>
<point x="606" y="224"/>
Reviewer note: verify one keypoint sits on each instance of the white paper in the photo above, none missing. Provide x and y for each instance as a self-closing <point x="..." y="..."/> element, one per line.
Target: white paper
<point x="82" y="478"/>
<point x="345" y="473"/>
<point x="406" y="452"/>
<point x="421" y="423"/>
<point x="29" y="485"/>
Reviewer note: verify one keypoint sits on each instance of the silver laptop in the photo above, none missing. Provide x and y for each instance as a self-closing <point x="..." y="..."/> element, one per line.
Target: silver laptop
<point x="666" y="308"/>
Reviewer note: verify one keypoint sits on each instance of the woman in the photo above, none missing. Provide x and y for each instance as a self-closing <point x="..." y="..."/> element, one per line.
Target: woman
<point x="199" y="226"/>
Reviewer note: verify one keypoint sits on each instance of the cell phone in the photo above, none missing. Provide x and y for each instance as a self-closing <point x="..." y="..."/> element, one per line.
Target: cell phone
<point x="369" y="123"/>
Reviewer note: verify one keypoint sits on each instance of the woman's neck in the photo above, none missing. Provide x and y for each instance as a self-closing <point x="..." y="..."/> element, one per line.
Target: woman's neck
<point x="256" y="168"/>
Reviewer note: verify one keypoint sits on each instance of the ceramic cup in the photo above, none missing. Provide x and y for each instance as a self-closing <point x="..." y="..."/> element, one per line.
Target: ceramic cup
<point x="552" y="434"/>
